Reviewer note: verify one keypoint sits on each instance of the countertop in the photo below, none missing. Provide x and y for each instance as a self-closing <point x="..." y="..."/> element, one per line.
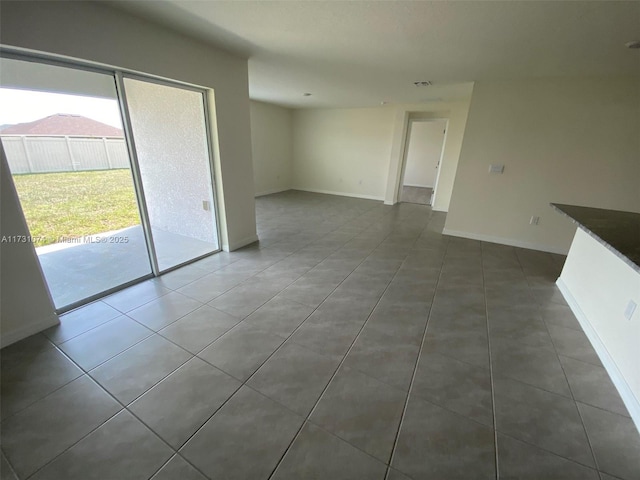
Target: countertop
<point x="618" y="231"/>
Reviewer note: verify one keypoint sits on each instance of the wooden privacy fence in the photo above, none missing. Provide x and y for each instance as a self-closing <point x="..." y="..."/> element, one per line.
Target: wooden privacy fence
<point x="42" y="154"/>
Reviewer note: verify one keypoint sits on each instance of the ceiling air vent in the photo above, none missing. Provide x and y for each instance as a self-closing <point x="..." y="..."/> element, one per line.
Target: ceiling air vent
<point x="423" y="84"/>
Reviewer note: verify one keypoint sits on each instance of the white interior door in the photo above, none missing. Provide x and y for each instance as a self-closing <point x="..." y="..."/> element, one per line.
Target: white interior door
<point x="423" y="153"/>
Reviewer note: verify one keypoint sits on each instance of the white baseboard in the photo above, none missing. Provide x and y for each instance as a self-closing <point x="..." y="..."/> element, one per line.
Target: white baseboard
<point x="230" y="247"/>
<point x="270" y="192"/>
<point x="28" y="330"/>
<point x="629" y="399"/>
<point x="416" y="185"/>
<point x="504" y="241"/>
<point x="341" y="194"/>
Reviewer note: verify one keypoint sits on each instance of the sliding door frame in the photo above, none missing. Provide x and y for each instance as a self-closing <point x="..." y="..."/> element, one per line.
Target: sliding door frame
<point x="121" y="75"/>
<point x="118" y="74"/>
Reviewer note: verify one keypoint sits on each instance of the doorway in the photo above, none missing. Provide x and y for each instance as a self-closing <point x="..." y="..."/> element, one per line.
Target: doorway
<point x="423" y="154"/>
<point x="113" y="173"/>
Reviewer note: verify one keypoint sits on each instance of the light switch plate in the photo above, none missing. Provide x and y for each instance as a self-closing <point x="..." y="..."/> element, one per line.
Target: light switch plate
<point x="205" y="205"/>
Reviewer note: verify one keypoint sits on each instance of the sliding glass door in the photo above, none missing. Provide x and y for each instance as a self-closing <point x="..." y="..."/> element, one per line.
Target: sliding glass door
<point x="169" y="132"/>
<point x="113" y="173"/>
<point x="63" y="138"/>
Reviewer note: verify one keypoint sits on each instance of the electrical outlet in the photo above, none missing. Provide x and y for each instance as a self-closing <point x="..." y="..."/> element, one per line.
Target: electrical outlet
<point x="631" y="308"/>
<point x="534" y="220"/>
<point x="205" y="205"/>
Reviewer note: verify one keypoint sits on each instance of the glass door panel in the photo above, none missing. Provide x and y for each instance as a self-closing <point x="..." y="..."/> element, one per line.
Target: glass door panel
<point x="62" y="133"/>
<point x="170" y="136"/>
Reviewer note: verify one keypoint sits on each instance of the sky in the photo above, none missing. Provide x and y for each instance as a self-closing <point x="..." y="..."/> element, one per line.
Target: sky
<point x="20" y="106"/>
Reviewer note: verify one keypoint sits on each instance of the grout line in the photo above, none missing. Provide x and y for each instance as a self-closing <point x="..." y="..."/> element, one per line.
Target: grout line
<point x="493" y="393"/>
<point x="415" y="370"/>
<point x="124" y="407"/>
<point x="575" y="402"/>
<point x="244" y="383"/>
<point x="306" y="420"/>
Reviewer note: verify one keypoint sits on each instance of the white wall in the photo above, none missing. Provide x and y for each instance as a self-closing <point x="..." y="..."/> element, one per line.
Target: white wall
<point x="423" y="153"/>
<point x="271" y="144"/>
<point x="598" y="285"/>
<point x="358" y="151"/>
<point x="573" y="141"/>
<point x="96" y="32"/>
<point x="342" y="151"/>
<point x="25" y="304"/>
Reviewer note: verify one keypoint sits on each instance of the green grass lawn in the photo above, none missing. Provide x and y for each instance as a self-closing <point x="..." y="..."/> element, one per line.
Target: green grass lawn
<point x="74" y="204"/>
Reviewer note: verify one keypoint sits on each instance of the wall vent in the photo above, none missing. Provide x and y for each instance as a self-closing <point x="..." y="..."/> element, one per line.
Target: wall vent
<point x="425" y="83"/>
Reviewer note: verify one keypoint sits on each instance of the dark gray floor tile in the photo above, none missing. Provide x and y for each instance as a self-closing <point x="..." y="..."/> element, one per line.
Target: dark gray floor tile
<point x="295" y="377"/>
<point x="544" y="419"/>
<point x="535" y="366"/>
<point x="615" y="441"/>
<point x="604" y="476"/>
<point x="318" y="455"/>
<point x="163" y="311"/>
<point x="574" y="344"/>
<point x="547" y="293"/>
<point x="30" y="380"/>
<point x="327" y="334"/>
<point x="199" y="328"/>
<point x="241" y="351"/>
<point x="279" y="316"/>
<point x="521" y="461"/>
<point x="309" y="291"/>
<point x="591" y="384"/>
<point x="405" y="321"/>
<point x="250" y="434"/>
<point x="207" y="288"/>
<point x="133" y="297"/>
<point x="359" y="284"/>
<point x="276" y="279"/>
<point x="463" y="321"/>
<point x="510" y="295"/>
<point x="435" y="443"/>
<point x="182" y="276"/>
<point x="347" y="308"/>
<point x="520" y="325"/>
<point x="413" y="290"/>
<point x="384" y="357"/>
<point x="396" y="475"/>
<point x="559" y="316"/>
<point x="467" y="346"/>
<point x="17" y="353"/>
<point x="44" y="430"/>
<point x="180" y="404"/>
<point x="178" y="469"/>
<point x="122" y="448"/>
<point x="100" y="344"/>
<point x="361" y="410"/>
<point x="457" y="386"/>
<point x="6" y="472"/>
<point x="81" y="320"/>
<point x="133" y="372"/>
<point x="244" y="299"/>
<point x="461" y="276"/>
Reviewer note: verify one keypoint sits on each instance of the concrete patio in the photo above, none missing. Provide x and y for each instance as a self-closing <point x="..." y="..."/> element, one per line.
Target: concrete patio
<point x="80" y="270"/>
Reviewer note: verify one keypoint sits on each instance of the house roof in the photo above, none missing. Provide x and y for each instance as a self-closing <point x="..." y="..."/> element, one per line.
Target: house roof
<point x="64" y="124"/>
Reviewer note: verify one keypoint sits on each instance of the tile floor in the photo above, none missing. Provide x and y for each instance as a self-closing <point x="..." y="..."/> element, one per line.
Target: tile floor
<point x="420" y="195"/>
<point x="356" y="342"/>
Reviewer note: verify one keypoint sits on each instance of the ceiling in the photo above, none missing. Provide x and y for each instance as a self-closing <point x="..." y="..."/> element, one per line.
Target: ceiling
<point x="362" y="53"/>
